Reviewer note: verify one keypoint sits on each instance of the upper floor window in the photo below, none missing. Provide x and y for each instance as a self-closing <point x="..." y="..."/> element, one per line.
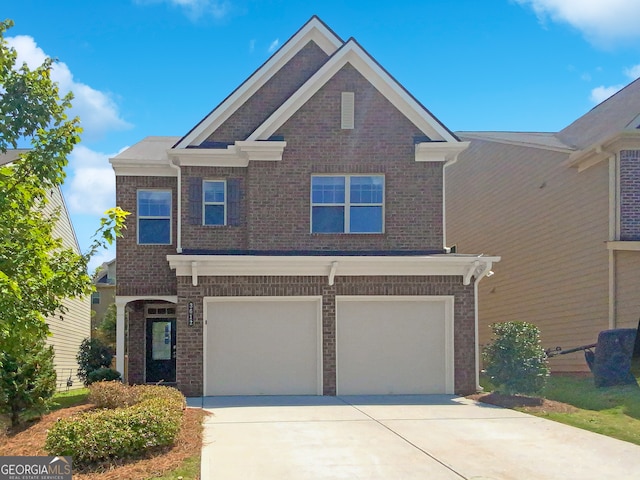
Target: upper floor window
<point x="95" y="298"/>
<point x="154" y="217"/>
<point x="347" y="204"/>
<point x="214" y="195"/>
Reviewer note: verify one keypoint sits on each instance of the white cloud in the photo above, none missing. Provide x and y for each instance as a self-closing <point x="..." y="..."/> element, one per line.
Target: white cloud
<point x="92" y="184"/>
<point x="273" y="46"/>
<point x="194" y="9"/>
<point x="603" y="23"/>
<point x="97" y="111"/>
<point x="601" y="93"/>
<point x="632" y="72"/>
<point x="101" y="257"/>
<point x="252" y="45"/>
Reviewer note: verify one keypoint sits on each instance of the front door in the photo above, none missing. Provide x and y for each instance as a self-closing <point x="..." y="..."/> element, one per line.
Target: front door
<point x="161" y="350"/>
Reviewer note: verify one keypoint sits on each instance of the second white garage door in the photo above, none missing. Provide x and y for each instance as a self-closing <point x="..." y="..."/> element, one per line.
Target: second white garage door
<point x="394" y="345"/>
<point x="263" y="346"/>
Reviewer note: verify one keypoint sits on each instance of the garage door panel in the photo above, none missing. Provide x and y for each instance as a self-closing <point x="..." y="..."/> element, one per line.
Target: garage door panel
<point x="263" y="347"/>
<point x="387" y="346"/>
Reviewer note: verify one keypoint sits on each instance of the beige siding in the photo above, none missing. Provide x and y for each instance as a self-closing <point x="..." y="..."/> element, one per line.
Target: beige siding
<point x="627" y="289"/>
<point x="69" y="329"/>
<point x="549" y="224"/>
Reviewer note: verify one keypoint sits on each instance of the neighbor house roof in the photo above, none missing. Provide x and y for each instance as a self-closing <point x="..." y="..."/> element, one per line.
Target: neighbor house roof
<point x="618" y="113"/>
<point x="546" y="140"/>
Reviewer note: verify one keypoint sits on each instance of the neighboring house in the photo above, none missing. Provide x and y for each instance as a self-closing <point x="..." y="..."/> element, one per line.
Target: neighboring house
<point x="293" y="241"/>
<point x="105" y="295"/>
<point x="69" y="329"/>
<point x="563" y="211"/>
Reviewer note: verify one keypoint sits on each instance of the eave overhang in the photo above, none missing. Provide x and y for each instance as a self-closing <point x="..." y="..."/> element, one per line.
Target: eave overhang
<point x="237" y="155"/>
<point x="439" y="151"/>
<point x="600" y="151"/>
<point x="465" y="266"/>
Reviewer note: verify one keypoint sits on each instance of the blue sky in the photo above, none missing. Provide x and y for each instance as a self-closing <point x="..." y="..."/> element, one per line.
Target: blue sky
<point x="157" y="67"/>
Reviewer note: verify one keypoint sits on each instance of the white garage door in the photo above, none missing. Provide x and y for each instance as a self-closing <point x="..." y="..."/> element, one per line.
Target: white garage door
<point x="263" y="346"/>
<point x="394" y="345"/>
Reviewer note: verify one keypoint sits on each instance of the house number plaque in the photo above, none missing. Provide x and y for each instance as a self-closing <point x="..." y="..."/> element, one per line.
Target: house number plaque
<point x="190" y="314"/>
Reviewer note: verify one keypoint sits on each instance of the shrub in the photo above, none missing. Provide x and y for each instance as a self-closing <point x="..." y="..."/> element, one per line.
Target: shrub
<point x="112" y="395"/>
<point x="514" y="360"/>
<point x="102" y="375"/>
<point x="27" y="376"/>
<point x="92" y="355"/>
<point x="153" y="421"/>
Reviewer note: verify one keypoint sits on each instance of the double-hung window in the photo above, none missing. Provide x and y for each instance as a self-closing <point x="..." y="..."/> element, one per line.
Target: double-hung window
<point x="347" y="204"/>
<point x="154" y="217"/>
<point x="214" y="196"/>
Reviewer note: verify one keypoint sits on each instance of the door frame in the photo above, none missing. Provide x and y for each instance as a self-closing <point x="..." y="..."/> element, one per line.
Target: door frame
<point x="168" y="313"/>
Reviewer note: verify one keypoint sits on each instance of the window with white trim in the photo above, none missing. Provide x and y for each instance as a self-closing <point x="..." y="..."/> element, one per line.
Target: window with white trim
<point x="214" y="202"/>
<point x="347" y="204"/>
<point x="154" y="217"/>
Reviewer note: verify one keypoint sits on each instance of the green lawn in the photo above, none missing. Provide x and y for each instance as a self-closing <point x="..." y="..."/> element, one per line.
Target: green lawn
<point x="613" y="411"/>
<point x="189" y="470"/>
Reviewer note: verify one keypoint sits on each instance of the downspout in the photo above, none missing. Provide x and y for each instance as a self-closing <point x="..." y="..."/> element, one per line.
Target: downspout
<point x="614" y="229"/>
<point x="444" y="201"/>
<point x="485" y="272"/>
<point x="179" y="206"/>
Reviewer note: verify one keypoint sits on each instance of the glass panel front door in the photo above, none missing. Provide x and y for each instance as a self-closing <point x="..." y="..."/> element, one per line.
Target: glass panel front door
<point x="161" y="350"/>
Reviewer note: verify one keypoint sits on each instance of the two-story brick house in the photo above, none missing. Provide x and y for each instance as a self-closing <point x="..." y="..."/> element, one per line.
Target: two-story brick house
<point x="293" y="241"/>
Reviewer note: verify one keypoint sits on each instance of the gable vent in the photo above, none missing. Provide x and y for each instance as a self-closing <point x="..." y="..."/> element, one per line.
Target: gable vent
<point x="348" y="107"/>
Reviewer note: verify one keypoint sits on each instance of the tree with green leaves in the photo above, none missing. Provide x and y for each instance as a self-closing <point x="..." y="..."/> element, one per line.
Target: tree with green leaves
<point x="36" y="271"/>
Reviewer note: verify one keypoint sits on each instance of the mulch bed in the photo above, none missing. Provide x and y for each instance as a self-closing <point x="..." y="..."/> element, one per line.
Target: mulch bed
<point x="30" y="439"/>
<point x="524" y="403"/>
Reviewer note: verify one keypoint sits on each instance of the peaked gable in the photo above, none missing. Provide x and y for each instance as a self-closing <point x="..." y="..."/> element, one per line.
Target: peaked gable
<point x="618" y="113"/>
<point x="352" y="53"/>
<point x="313" y="31"/>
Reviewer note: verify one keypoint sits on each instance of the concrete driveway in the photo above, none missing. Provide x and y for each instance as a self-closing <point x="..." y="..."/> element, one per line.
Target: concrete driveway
<point x="398" y="437"/>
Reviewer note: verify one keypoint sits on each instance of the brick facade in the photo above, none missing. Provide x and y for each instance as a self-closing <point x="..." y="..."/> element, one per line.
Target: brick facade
<point x="189" y="355"/>
<point x="143" y="269"/>
<point x="275" y="209"/>
<point x="630" y="195"/>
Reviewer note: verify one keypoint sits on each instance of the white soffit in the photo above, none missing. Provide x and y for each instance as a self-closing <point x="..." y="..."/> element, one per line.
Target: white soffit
<point x="314" y="30"/>
<point x="196" y="266"/>
<point x="353" y="54"/>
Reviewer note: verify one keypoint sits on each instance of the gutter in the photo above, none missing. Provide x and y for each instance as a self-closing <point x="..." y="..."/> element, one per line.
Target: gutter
<point x="486" y="272"/>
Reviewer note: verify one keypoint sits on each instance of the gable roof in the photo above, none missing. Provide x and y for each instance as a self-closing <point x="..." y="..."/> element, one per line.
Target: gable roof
<point x="340" y="53"/>
<point x="618" y="113"/>
<point x="352" y="53"/>
<point x="314" y="30"/>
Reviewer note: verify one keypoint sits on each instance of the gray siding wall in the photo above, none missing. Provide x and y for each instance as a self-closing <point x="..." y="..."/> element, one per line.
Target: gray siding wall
<point x="68" y="330"/>
<point x="549" y="224"/>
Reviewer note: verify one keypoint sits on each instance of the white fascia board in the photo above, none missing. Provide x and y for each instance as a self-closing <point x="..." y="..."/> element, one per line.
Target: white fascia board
<point x="237" y="155"/>
<point x="329" y="266"/>
<point x="594" y="154"/>
<point x="439" y="151"/>
<point x="352" y="53"/>
<point x="142" y="168"/>
<point x="314" y="30"/>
